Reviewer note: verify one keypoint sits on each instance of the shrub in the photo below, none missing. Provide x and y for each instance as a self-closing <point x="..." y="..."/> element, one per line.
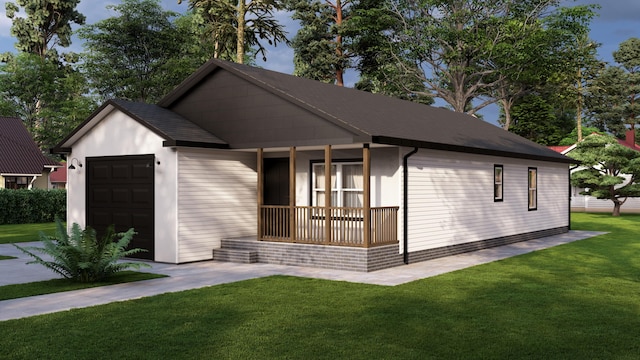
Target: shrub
<point x="80" y="256"/>
<point x="32" y="206"/>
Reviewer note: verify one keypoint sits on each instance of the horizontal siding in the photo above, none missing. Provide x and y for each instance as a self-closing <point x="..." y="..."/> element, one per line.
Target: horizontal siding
<point x="216" y="199"/>
<point x="451" y="199"/>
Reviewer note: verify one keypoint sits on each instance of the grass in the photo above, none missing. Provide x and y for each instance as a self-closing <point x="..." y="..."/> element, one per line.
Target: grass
<point x="575" y="301"/>
<point x="16" y="233"/>
<point x="59" y="285"/>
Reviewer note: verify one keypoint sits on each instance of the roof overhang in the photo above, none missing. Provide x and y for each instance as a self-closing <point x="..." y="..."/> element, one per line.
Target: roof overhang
<point x="469" y="150"/>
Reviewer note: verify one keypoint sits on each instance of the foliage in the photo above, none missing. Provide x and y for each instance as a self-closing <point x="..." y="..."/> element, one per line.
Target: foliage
<point x="16" y="291"/>
<point x="15" y="233"/>
<point x="81" y="256"/>
<point x="32" y="206"/>
<point x="240" y="25"/>
<point x="48" y="23"/>
<point x="574" y="301"/>
<point x="534" y="118"/>
<point x="572" y="137"/>
<point x="613" y="95"/>
<point x="48" y="96"/>
<point x="610" y="170"/>
<point x="140" y="54"/>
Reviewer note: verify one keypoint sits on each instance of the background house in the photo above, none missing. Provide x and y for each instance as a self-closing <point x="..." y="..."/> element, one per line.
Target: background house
<point x="237" y="154"/>
<point x="586" y="203"/>
<point x="22" y="164"/>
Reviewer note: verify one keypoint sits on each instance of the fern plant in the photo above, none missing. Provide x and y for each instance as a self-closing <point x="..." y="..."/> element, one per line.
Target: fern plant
<point x="81" y="256"/>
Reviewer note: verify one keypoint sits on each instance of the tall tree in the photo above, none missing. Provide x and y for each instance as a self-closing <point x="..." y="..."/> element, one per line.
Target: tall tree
<point x="610" y="170"/>
<point x="48" y="96"/>
<point x="320" y="51"/>
<point x="48" y="23"/>
<point x="243" y="22"/>
<point x="613" y="96"/>
<point x="140" y="54"/>
<point x="456" y="43"/>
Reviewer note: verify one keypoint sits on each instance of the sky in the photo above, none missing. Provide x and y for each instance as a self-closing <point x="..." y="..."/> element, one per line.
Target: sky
<point x="618" y="21"/>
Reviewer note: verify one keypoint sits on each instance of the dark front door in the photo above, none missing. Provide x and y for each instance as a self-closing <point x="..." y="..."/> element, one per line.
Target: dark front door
<point x="276" y="192"/>
<point x="276" y="181"/>
<point x="120" y="192"/>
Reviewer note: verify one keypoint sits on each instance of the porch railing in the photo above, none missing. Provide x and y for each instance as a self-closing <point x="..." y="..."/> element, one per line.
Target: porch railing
<point x="344" y="226"/>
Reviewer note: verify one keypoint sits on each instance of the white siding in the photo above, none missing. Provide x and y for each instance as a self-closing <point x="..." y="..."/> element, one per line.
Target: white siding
<point x="217" y="198"/>
<point x="451" y="198"/>
<point x="118" y="135"/>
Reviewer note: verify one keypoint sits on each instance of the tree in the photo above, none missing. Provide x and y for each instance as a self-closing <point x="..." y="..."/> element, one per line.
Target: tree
<point x="535" y="119"/>
<point x="614" y="95"/>
<point x="48" y="96"/>
<point x="611" y="171"/>
<point x="48" y="23"/>
<point x="245" y="23"/>
<point x="139" y="54"/>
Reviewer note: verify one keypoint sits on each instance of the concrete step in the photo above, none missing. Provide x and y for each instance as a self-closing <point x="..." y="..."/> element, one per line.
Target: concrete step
<point x="234" y="255"/>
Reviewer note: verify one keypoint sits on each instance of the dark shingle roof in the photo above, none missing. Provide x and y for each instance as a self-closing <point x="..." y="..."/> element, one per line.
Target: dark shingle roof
<point x="173" y="127"/>
<point x="381" y="118"/>
<point x="18" y="152"/>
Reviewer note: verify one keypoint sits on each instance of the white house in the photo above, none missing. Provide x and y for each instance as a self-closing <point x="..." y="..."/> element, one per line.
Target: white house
<point x="231" y="165"/>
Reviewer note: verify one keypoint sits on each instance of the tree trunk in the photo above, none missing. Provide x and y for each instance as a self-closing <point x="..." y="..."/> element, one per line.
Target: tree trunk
<point x="242" y="9"/>
<point x="339" y="51"/>
<point x="616" y="208"/>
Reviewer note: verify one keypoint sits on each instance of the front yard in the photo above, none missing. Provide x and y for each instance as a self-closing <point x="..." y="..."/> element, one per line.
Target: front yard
<point x="575" y="301"/>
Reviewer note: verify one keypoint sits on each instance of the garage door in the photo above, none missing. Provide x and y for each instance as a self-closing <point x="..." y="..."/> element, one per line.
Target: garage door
<point x="120" y="192"/>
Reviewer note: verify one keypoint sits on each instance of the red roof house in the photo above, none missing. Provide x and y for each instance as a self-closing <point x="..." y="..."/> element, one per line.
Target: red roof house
<point x="22" y="164"/>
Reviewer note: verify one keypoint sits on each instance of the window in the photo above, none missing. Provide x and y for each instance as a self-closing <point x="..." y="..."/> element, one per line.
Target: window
<point x="533" y="188"/>
<point x="16" y="182"/>
<point x="497" y="182"/>
<point x="346" y="184"/>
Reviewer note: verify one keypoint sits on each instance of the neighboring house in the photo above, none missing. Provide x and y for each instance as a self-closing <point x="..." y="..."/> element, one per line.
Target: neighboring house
<point x="58" y="178"/>
<point x="586" y="203"/>
<point x="22" y="164"/>
<point x="237" y="154"/>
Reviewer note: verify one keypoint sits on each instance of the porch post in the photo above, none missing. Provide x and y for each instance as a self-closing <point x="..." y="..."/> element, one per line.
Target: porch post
<point x="366" y="194"/>
<point x="292" y="193"/>
<point x="327" y="194"/>
<point x="260" y="170"/>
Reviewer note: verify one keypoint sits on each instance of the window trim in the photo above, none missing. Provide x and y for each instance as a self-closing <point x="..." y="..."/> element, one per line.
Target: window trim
<point x="312" y="177"/>
<point x="532" y="190"/>
<point x="497" y="183"/>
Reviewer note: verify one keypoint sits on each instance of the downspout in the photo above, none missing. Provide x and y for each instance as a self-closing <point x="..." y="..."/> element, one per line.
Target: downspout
<point x="405" y="208"/>
<point x="569" y="207"/>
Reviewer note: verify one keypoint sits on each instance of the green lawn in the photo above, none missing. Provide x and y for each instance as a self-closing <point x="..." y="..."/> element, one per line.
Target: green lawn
<point x="575" y="301"/>
<point x="59" y="285"/>
<point x="24" y="232"/>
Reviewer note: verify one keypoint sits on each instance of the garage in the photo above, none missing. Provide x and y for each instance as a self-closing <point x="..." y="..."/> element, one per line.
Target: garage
<point x="120" y="191"/>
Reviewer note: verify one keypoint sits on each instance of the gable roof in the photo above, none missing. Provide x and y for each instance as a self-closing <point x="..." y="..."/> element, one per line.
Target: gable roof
<point x="173" y="128"/>
<point x="20" y="154"/>
<point x="377" y="118"/>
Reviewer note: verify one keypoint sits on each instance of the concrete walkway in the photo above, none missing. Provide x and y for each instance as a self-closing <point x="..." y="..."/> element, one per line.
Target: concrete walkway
<point x="202" y="274"/>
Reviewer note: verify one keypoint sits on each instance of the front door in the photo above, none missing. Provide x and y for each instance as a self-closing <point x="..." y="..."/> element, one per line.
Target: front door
<point x="276" y="192"/>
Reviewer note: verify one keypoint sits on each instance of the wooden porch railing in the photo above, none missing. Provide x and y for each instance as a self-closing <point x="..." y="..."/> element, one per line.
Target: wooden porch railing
<point x="346" y="225"/>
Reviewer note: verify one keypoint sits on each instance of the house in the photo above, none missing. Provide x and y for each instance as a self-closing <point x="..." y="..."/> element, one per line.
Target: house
<point x="586" y="203"/>
<point x="22" y="164"/>
<point x="231" y="165"/>
<point x="58" y="178"/>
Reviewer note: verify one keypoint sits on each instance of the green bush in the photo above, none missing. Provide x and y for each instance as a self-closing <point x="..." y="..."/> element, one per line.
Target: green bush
<point x="80" y="256"/>
<point x="32" y="206"/>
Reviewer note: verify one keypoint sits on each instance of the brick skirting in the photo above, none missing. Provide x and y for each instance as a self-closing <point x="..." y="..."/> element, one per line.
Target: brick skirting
<point x="363" y="259"/>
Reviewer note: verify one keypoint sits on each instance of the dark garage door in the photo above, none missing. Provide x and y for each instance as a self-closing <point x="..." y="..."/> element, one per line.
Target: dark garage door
<point x="120" y="192"/>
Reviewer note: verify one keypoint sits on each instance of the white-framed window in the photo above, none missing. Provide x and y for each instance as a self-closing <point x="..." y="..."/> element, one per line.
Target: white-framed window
<point x="498" y="188"/>
<point x="16" y="182"/>
<point x="346" y="184"/>
<point x="533" y="188"/>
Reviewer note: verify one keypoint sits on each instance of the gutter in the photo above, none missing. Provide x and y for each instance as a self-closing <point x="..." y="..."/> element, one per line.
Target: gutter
<point x="405" y="209"/>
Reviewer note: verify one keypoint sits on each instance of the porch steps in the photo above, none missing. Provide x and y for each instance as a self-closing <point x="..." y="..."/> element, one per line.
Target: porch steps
<point x="235" y="255"/>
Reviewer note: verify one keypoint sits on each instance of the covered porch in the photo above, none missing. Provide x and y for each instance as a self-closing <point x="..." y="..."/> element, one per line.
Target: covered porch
<point x="325" y="223"/>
